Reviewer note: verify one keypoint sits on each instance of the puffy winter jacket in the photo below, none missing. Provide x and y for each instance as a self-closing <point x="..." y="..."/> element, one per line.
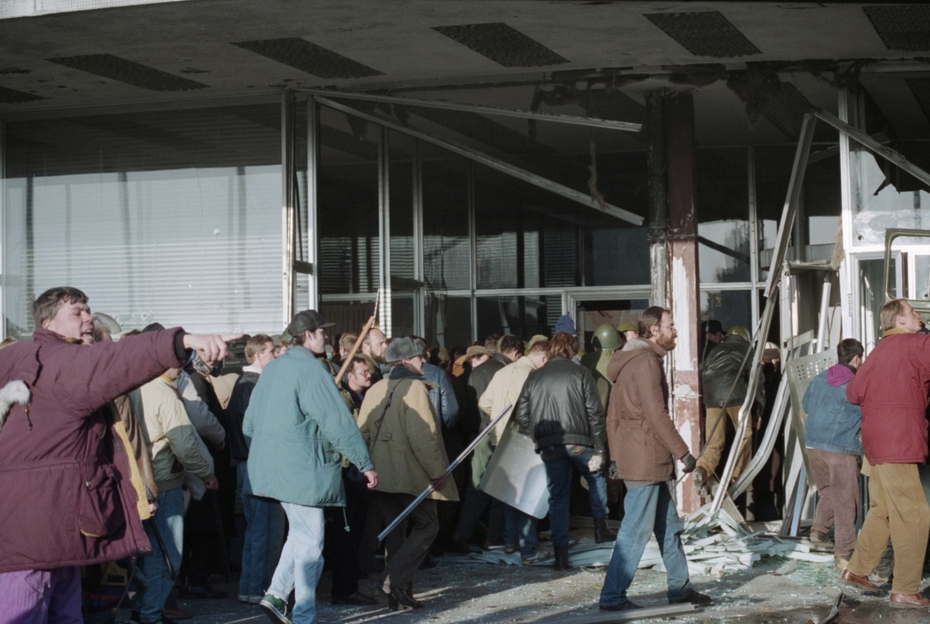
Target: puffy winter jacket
<point x="891" y="387"/>
<point x="721" y="368"/>
<point x="559" y="405"/>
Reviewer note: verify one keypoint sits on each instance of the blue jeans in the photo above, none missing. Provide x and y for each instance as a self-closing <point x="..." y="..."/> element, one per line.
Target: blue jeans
<point x="262" y="541"/>
<point x="649" y="509"/>
<point x="561" y="461"/>
<point x="169" y="520"/>
<point x="520" y="528"/>
<point x="301" y="561"/>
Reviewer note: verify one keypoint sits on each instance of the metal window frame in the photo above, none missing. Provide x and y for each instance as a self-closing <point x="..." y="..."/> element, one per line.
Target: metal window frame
<point x="785" y="229"/>
<point x="593" y="122"/>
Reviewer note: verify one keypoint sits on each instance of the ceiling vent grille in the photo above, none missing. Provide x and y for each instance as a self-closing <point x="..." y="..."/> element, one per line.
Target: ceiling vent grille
<point x="309" y="58"/>
<point x="705" y="33"/>
<point x="122" y="70"/>
<point x="905" y="27"/>
<point x="502" y="44"/>
<point x="12" y="96"/>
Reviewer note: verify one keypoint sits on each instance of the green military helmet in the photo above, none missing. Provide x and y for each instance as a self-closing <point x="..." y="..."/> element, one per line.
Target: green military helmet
<point x="739" y="330"/>
<point x="606" y="337"/>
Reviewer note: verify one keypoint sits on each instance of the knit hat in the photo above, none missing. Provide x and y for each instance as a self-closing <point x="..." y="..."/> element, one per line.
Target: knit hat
<point x="402" y="349"/>
<point x="565" y="324"/>
<point x="308" y="320"/>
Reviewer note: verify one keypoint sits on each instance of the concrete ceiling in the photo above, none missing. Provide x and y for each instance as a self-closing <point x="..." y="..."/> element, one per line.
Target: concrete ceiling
<point x="493" y="52"/>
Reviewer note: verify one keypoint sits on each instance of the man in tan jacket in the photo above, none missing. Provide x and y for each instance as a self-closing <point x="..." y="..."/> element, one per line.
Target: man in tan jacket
<point x="644" y="444"/>
<point x="405" y="442"/>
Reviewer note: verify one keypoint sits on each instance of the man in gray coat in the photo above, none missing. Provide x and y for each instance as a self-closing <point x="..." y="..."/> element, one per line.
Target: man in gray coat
<point x="297" y="425"/>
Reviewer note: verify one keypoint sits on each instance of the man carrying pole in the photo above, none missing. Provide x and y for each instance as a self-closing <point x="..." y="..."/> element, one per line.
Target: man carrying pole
<point x="405" y="442"/>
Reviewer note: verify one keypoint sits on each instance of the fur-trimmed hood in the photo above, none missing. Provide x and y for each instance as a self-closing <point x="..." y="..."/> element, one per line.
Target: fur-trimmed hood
<point x="633" y="349"/>
<point x="14" y="392"/>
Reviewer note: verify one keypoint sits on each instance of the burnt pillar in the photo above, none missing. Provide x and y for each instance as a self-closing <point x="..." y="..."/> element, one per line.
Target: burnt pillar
<point x="673" y="248"/>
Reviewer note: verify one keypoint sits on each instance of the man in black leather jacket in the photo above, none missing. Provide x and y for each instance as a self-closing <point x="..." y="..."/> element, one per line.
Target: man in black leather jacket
<point x="560" y="409"/>
<point x="725" y="375"/>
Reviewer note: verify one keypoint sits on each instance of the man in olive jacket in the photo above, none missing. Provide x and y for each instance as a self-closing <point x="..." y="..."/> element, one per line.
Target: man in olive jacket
<point x="406" y="444"/>
<point x="296" y="426"/>
<point x="644" y="444"/>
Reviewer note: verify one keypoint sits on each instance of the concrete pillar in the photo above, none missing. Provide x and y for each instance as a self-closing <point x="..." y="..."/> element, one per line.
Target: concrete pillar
<point x="684" y="280"/>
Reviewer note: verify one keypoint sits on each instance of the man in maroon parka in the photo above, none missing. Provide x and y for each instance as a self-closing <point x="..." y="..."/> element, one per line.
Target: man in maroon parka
<point x="66" y="498"/>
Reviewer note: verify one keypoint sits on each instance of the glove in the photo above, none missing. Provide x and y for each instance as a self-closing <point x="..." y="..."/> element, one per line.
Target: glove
<point x="597" y="461"/>
<point x="612" y="472"/>
<point x="689" y="463"/>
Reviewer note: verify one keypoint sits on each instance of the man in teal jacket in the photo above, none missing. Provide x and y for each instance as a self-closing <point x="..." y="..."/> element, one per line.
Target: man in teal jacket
<point x="298" y="427"/>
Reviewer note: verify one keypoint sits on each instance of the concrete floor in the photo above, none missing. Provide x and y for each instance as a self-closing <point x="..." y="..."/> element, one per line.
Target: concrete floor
<point x="466" y="593"/>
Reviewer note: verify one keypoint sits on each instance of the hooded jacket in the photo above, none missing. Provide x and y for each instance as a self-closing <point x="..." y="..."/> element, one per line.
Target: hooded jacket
<point x="559" y="405"/>
<point x="832" y="422"/>
<point x="643" y="439"/>
<point x="66" y="492"/>
<point x="891" y="386"/>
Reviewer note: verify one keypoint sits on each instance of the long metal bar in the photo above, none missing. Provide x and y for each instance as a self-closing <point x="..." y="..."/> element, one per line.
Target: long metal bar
<point x="593" y="122"/>
<point x="452" y="466"/>
<point x="791" y="203"/>
<point x="761" y="456"/>
<point x="287" y="192"/>
<point x="490" y="161"/>
<point x="745" y="410"/>
<point x="874" y="146"/>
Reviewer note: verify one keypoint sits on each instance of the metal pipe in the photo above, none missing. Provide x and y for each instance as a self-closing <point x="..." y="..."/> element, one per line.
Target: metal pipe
<point x="874" y="146"/>
<point x="489" y="161"/>
<point x="791" y="204"/>
<point x="824" y="311"/>
<point x="593" y="122"/>
<point x="458" y="460"/>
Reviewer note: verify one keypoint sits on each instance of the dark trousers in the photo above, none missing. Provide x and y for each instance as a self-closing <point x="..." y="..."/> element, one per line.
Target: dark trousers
<point x="837" y="479"/>
<point x="342" y="543"/>
<point x="408" y="544"/>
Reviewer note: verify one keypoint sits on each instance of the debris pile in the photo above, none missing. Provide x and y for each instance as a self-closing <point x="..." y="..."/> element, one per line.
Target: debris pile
<point x="714" y="543"/>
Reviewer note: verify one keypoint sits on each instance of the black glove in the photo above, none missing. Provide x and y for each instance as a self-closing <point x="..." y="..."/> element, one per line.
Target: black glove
<point x="689" y="463"/>
<point x="612" y="472"/>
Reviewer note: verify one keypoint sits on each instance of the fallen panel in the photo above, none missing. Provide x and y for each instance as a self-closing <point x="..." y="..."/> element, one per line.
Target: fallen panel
<point x="516" y="475"/>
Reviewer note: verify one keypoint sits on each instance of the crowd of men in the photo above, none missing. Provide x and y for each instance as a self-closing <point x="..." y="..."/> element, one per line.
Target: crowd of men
<point x="139" y="448"/>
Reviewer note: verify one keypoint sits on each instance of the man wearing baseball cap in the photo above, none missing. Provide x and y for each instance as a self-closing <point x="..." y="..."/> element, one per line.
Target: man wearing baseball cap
<point x="296" y="426"/>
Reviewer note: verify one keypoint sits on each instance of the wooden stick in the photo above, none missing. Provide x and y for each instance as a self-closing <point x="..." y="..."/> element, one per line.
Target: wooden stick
<point x="358" y="341"/>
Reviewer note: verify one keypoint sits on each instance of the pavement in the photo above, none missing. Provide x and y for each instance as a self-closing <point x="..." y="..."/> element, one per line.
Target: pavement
<point x="473" y="593"/>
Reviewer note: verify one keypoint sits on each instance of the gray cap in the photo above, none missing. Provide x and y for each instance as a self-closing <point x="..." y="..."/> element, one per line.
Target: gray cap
<point x="308" y="320"/>
<point x="402" y="349"/>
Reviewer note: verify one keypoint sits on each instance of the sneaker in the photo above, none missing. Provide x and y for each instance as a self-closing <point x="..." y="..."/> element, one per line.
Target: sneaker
<point x="275" y="609"/>
<point x="539" y="556"/>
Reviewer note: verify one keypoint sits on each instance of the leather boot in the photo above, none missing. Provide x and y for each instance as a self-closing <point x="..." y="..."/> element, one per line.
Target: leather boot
<point x="561" y="557"/>
<point x="601" y="532"/>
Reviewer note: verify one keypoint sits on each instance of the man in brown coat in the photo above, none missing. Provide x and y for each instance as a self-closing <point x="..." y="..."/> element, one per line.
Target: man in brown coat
<point x="644" y="443"/>
<point x="405" y="441"/>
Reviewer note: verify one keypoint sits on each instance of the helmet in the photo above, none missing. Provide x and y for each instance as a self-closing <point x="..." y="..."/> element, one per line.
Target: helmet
<point x="739" y="330"/>
<point x="606" y="337"/>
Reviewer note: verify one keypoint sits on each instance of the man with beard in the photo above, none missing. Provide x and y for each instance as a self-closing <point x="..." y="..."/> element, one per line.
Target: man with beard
<point x="373" y="347"/>
<point x="643" y="443"/>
